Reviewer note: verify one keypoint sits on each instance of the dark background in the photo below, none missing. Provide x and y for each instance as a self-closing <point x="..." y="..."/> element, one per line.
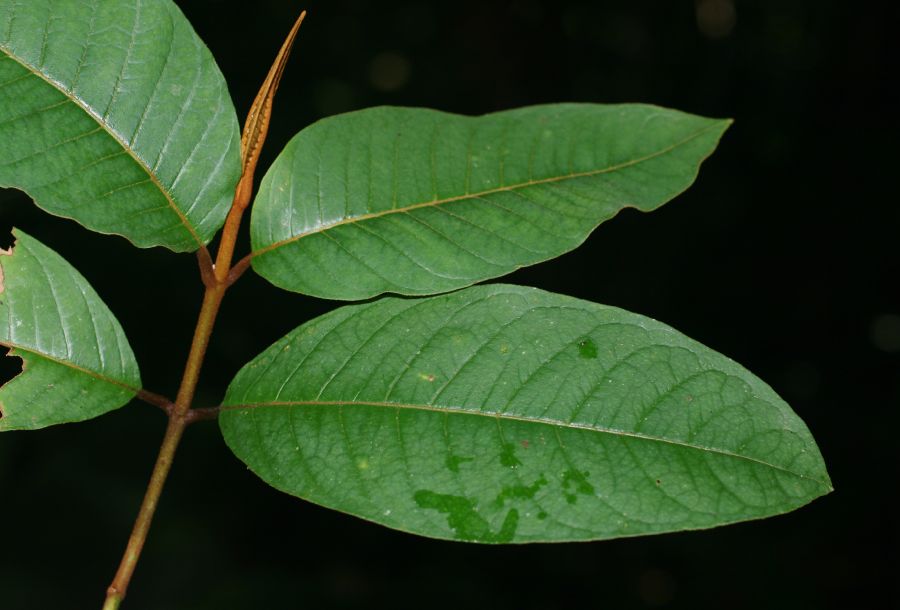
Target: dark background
<point x="784" y="255"/>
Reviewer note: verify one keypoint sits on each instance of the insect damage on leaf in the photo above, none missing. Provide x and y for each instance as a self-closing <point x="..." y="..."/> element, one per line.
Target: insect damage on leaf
<point x="23" y="366"/>
<point x="4" y="252"/>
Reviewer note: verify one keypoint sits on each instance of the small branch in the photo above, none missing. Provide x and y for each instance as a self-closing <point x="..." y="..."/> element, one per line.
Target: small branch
<point x="178" y="420"/>
<point x="195" y="415"/>
<point x="116" y="591"/>
<point x="112" y="602"/>
<point x="157" y="400"/>
<point x="229" y="237"/>
<point x="238" y="270"/>
<point x="207" y="268"/>
<point x="217" y="278"/>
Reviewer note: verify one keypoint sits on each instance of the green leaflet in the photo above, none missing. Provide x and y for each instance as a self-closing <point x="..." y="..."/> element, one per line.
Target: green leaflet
<point x="77" y="363"/>
<point x="114" y="114"/>
<point x="416" y="201"/>
<point x="508" y="414"/>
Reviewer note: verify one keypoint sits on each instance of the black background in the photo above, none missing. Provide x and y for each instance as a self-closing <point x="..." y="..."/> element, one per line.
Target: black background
<point x="784" y="255"/>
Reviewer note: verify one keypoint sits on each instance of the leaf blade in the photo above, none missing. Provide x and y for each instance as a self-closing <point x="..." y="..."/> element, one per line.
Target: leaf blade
<point x="416" y="201"/>
<point x="502" y="414"/>
<point x="77" y="363"/>
<point x="109" y="115"/>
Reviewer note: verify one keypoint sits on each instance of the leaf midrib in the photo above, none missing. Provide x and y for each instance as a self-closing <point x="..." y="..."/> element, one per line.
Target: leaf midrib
<point x="111" y="133"/>
<point x="555" y="423"/>
<point x="30" y="350"/>
<point x="484" y="193"/>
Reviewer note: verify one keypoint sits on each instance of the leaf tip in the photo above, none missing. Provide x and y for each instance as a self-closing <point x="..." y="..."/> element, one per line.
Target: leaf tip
<point x="828" y="485"/>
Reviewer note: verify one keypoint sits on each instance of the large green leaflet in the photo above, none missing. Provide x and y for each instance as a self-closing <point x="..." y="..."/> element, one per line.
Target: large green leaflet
<point x="417" y="201"/>
<point x="508" y="414"/>
<point x="115" y="114"/>
<point x="77" y="363"/>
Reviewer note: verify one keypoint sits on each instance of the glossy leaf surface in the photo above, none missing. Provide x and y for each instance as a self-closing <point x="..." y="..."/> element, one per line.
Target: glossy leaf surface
<point x="416" y="201"/>
<point x="77" y="363"/>
<point x="114" y="114"/>
<point x="508" y="414"/>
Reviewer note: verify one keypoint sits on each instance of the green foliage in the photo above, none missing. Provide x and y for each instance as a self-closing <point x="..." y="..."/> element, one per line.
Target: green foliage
<point x="492" y="414"/>
<point x="77" y="361"/>
<point x="508" y="414"/>
<point x="116" y="115"/>
<point x="416" y="201"/>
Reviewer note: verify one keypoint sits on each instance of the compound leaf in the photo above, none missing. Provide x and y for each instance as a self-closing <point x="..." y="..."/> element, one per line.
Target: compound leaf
<point x="416" y="201"/>
<point x="508" y="414"/>
<point x="115" y="114"/>
<point x="77" y="363"/>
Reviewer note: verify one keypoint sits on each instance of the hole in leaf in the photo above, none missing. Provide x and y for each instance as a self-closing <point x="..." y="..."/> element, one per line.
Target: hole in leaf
<point x="11" y="366"/>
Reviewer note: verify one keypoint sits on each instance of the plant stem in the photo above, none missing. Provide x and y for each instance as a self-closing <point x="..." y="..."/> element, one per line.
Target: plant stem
<point x="178" y="420"/>
<point x="179" y="416"/>
<point x="116" y="591"/>
<point x="216" y="278"/>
